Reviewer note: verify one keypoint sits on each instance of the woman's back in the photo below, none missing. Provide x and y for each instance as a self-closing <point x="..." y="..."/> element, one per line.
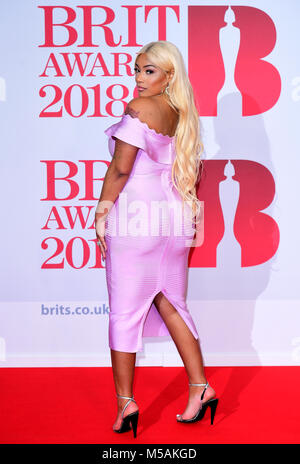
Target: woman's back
<point x="146" y="234"/>
<point x="144" y="125"/>
<point x="156" y="113"/>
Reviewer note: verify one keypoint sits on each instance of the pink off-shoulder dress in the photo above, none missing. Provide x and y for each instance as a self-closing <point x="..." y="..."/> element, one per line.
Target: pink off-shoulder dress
<point x="148" y="237"/>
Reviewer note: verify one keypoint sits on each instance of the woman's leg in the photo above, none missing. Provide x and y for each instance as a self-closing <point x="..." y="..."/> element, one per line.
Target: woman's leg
<point x="190" y="352"/>
<point x="123" y="365"/>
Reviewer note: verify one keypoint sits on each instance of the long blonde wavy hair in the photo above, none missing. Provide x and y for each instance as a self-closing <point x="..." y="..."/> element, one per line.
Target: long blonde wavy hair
<point x="188" y="143"/>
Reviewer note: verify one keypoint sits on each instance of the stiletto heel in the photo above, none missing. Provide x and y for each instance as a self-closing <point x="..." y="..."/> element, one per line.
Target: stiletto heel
<point x="130" y="419"/>
<point x="134" y="421"/>
<point x="213" y="403"/>
<point x="213" y="406"/>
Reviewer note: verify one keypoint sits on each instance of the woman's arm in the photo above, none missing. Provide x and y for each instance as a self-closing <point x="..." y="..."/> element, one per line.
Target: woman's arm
<point x="116" y="175"/>
<point x="115" y="179"/>
<point x="120" y="167"/>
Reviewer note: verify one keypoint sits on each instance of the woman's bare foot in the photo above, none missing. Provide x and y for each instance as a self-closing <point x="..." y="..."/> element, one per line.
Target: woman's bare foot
<point x="132" y="407"/>
<point x="194" y="401"/>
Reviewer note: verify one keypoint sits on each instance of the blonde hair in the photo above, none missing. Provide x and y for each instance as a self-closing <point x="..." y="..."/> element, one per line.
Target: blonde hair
<point x="188" y="144"/>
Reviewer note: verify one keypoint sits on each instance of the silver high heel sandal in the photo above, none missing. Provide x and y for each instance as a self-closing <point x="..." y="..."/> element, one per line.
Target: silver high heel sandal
<point x="130" y="419"/>
<point x="203" y="406"/>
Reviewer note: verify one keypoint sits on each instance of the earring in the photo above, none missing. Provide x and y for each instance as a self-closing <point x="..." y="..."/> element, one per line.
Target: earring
<point x="165" y="90"/>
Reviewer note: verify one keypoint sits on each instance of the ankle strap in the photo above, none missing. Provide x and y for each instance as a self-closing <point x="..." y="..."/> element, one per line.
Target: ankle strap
<point x="126" y="397"/>
<point x="200" y="385"/>
<point x="129" y="398"/>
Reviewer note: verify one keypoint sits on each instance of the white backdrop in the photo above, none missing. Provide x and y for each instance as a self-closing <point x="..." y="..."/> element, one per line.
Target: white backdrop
<point x="243" y="286"/>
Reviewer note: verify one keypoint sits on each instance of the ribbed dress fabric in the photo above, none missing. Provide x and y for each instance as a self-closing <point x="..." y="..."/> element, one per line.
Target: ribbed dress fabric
<point x="149" y="255"/>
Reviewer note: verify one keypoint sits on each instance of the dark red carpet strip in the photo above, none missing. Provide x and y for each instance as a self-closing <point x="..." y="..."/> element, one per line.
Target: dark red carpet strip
<point x="74" y="405"/>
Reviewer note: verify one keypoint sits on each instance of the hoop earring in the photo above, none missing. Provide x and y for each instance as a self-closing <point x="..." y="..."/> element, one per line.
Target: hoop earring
<point x="165" y="90"/>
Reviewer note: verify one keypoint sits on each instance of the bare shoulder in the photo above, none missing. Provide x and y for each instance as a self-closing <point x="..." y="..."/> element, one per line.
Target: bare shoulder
<point x="144" y="108"/>
<point x="157" y="115"/>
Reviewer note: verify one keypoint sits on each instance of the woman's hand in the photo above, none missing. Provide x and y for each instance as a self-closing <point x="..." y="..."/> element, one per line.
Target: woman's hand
<point x="100" y="233"/>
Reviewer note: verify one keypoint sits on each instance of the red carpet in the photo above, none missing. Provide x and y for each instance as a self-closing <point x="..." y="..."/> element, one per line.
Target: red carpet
<point x="78" y="405"/>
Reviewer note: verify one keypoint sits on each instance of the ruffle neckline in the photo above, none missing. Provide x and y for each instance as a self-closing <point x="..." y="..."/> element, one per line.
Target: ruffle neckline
<point x="149" y="128"/>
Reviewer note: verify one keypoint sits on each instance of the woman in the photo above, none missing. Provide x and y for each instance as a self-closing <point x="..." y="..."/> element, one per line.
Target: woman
<point x="156" y="159"/>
